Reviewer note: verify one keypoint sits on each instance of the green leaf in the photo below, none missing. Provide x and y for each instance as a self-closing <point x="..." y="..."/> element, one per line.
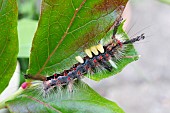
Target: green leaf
<point x="26" y="30"/>
<point x="66" y="28"/>
<point x="9" y="40"/>
<point x="82" y="100"/>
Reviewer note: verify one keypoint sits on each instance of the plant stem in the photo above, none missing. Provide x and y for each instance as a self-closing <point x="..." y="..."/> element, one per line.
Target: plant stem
<point x="18" y="92"/>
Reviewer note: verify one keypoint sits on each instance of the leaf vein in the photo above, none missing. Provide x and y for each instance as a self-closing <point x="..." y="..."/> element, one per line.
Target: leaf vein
<point x="4" y="46"/>
<point x="90" y="22"/>
<point x="43" y="103"/>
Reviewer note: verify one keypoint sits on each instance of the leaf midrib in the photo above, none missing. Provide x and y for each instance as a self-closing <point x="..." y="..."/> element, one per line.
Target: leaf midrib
<point x="43" y="103"/>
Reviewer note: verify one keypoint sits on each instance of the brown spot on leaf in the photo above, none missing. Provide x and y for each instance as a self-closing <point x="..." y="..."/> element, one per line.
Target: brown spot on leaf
<point x="108" y="5"/>
<point x="88" y="37"/>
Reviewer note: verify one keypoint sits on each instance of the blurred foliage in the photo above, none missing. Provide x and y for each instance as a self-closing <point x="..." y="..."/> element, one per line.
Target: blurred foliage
<point x="26" y="30"/>
<point x="28" y="9"/>
<point x="165" y="1"/>
<point x="28" y="15"/>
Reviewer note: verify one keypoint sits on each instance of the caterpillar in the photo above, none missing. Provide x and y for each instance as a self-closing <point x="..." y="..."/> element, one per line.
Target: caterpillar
<point x="99" y="56"/>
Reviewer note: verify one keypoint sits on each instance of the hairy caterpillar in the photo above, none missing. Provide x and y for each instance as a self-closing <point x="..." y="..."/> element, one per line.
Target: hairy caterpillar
<point x="98" y="57"/>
